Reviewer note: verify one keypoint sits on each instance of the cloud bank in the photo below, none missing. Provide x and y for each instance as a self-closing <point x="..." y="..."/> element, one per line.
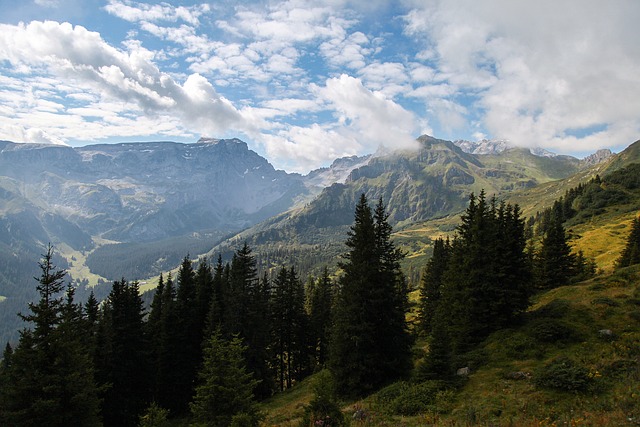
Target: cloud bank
<point x="307" y="81"/>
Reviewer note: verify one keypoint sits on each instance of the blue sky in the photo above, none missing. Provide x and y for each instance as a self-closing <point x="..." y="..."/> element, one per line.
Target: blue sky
<point x="304" y="82"/>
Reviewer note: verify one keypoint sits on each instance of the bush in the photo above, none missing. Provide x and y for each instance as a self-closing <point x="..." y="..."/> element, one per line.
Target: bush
<point x="154" y="416"/>
<point x="556" y="309"/>
<point x="553" y="331"/>
<point x="520" y="347"/>
<point x="323" y="409"/>
<point x="403" y="398"/>
<point x="563" y="374"/>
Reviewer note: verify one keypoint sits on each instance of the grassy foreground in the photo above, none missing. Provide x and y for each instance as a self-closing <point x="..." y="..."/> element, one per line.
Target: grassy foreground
<point x="573" y="360"/>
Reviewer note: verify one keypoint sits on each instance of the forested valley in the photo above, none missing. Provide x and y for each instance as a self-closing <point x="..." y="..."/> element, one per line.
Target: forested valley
<point x="221" y="338"/>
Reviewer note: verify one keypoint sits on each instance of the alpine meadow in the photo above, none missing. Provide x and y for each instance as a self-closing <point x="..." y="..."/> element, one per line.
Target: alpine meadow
<point x="321" y="213"/>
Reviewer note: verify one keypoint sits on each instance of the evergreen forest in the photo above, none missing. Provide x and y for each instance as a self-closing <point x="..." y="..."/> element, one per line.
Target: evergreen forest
<point x="223" y="343"/>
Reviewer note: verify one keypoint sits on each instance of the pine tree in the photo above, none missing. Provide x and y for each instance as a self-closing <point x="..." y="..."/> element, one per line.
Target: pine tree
<point x="631" y="252"/>
<point x="370" y="343"/>
<point x="124" y="364"/>
<point x="187" y="353"/>
<point x="321" y="308"/>
<point x="215" y="312"/>
<point x="168" y="369"/>
<point x="486" y="283"/>
<point x="432" y="281"/>
<point x="247" y="315"/>
<point x="225" y="388"/>
<point x="50" y="380"/>
<point x="554" y="261"/>
<point x="438" y="363"/>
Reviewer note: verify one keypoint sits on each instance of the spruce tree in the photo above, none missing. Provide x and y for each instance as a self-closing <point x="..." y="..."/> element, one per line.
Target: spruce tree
<point x="631" y="252"/>
<point x="50" y="379"/>
<point x="554" y="261"/>
<point x="370" y="345"/>
<point x="225" y="388"/>
<point x="246" y="315"/>
<point x="321" y="308"/>
<point x="124" y="361"/>
<point x="187" y="353"/>
<point x="167" y="368"/>
<point x="432" y="281"/>
<point x="486" y="283"/>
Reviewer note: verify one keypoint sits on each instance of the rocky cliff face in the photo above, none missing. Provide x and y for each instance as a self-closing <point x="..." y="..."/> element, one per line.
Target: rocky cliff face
<point x="147" y="191"/>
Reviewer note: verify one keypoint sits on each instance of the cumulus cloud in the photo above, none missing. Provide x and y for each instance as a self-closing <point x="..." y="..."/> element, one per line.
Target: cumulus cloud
<point x="375" y="119"/>
<point x="300" y="149"/>
<point x="134" y="11"/>
<point x="543" y="74"/>
<point x="74" y="53"/>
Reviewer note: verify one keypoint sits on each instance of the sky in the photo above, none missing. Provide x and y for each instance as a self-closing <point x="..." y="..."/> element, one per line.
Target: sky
<point x="304" y="82"/>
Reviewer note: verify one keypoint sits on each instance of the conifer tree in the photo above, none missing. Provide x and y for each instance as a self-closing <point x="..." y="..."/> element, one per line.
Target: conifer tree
<point x="289" y="328"/>
<point x="554" y="261"/>
<point x="432" y="281"/>
<point x="487" y="279"/>
<point x="321" y="308"/>
<point x="247" y="316"/>
<point x="216" y="309"/>
<point x="167" y="367"/>
<point x="631" y="252"/>
<point x="225" y="388"/>
<point x="124" y="362"/>
<point x="49" y="380"/>
<point x="370" y="343"/>
<point x="187" y="352"/>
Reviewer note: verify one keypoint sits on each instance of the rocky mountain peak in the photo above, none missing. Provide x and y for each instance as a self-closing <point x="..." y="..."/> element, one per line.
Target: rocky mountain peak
<point x="486" y="146"/>
<point x="597" y="157"/>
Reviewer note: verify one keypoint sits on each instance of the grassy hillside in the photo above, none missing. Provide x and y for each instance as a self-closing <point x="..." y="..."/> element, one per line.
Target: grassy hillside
<point x="574" y="359"/>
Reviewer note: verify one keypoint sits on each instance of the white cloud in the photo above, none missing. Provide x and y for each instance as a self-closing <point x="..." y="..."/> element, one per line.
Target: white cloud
<point x="47" y="3"/>
<point x="300" y="149"/>
<point x="372" y="118"/>
<point x="546" y="73"/>
<point x="134" y="11"/>
<point x="29" y="135"/>
<point x="76" y="54"/>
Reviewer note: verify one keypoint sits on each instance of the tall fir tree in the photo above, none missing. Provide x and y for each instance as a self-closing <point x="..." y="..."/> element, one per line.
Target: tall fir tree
<point x="50" y="380"/>
<point x="225" y="387"/>
<point x="246" y="314"/>
<point x="321" y="309"/>
<point x="289" y="328"/>
<point x="554" y="265"/>
<point x="431" y="282"/>
<point x="487" y="280"/>
<point x="370" y="344"/>
<point x="631" y="253"/>
<point x="124" y="367"/>
<point x="187" y="352"/>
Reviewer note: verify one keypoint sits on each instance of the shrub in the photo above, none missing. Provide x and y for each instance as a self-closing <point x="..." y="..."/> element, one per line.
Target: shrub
<point x="553" y="331"/>
<point x="520" y="347"/>
<point x="403" y="398"/>
<point x="323" y="409"/>
<point x="563" y="374"/>
<point x="555" y="309"/>
<point x="154" y="416"/>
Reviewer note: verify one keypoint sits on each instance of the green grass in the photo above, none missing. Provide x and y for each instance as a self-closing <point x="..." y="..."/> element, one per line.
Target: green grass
<point x="490" y="396"/>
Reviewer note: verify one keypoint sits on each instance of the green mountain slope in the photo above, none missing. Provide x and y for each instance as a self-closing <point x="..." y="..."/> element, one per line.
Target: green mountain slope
<point x="573" y="360"/>
<point x="416" y="186"/>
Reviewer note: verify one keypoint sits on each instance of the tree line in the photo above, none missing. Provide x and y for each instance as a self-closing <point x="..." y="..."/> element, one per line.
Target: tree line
<point x="220" y="337"/>
<point x="216" y="339"/>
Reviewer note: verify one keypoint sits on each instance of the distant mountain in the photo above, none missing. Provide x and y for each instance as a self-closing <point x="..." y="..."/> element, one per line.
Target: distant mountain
<point x="149" y="191"/>
<point x="133" y="209"/>
<point x="486" y="146"/>
<point x="416" y="186"/>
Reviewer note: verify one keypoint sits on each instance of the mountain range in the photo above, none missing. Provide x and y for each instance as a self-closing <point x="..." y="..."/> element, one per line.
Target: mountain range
<point x="134" y="209"/>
